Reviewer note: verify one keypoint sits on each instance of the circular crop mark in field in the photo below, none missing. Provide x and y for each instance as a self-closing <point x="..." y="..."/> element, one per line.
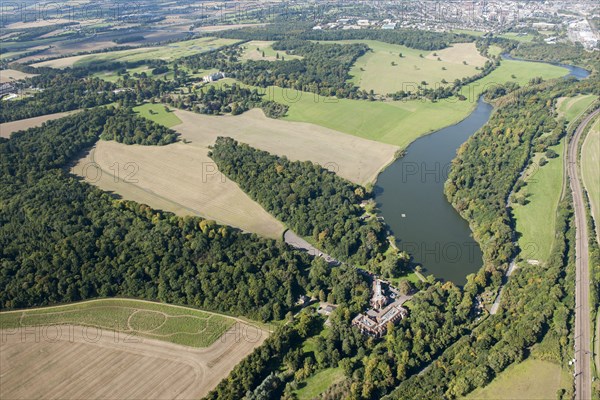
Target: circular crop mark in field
<point x="146" y="321"/>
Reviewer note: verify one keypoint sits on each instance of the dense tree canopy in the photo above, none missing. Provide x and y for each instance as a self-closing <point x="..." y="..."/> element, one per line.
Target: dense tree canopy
<point x="323" y="68"/>
<point x="313" y="201"/>
<point x="62" y="240"/>
<point x="57" y="93"/>
<point x="126" y="127"/>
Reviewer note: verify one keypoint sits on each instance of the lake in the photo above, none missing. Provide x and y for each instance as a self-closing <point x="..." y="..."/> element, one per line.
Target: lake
<point x="410" y="196"/>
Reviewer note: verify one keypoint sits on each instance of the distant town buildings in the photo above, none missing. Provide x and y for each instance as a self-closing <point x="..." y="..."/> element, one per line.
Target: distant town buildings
<point x="558" y="20"/>
<point x="386" y="308"/>
<point x="581" y="31"/>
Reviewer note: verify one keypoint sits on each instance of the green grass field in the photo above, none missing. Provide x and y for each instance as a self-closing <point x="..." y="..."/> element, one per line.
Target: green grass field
<point x="168" y="52"/>
<point x="590" y="159"/>
<point x="384" y="71"/>
<point x="572" y="107"/>
<point x="535" y="221"/>
<point x="112" y="76"/>
<point x="526" y="38"/>
<point x="400" y="122"/>
<point x="180" y="325"/>
<point x="494" y="50"/>
<point x="529" y="380"/>
<point x="319" y="382"/>
<point x="469" y="32"/>
<point x="158" y="114"/>
<point x="254" y="50"/>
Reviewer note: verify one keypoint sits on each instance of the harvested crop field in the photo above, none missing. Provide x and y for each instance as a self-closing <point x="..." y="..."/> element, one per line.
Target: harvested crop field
<point x="167" y="52"/>
<point x="10" y="75"/>
<point x="356" y="159"/>
<point x="80" y="350"/>
<point x="84" y="364"/>
<point x="8" y="128"/>
<point x="180" y="178"/>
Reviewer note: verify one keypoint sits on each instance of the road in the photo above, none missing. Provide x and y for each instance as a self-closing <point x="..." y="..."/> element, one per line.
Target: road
<point x="296" y="241"/>
<point x="583" y="372"/>
<point x="511" y="268"/>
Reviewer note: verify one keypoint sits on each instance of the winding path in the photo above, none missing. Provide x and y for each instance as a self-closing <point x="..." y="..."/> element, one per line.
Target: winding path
<point x="583" y="378"/>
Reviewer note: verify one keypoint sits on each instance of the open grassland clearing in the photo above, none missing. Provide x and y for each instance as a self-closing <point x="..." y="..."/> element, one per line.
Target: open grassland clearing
<point x="352" y="158"/>
<point x="535" y="221"/>
<point x="75" y="361"/>
<point x="17" y="54"/>
<point x="319" y="382"/>
<point x="590" y="159"/>
<point x="179" y="325"/>
<point x="519" y="37"/>
<point x="494" y="50"/>
<point x="399" y="122"/>
<point x="114" y="76"/>
<point x="218" y="28"/>
<point x="255" y="49"/>
<point x="572" y="107"/>
<point x="158" y="113"/>
<point x="384" y="71"/>
<point x="529" y="380"/>
<point x="167" y="52"/>
<point x="8" y="128"/>
<point x="468" y="32"/>
<point x="180" y="178"/>
<point x="11" y="75"/>
<point x="109" y="76"/>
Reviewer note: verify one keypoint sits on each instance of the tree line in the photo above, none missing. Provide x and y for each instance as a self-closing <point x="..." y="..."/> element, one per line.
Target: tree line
<point x="311" y="200"/>
<point x="231" y="99"/>
<point x="124" y="126"/>
<point x="323" y="68"/>
<point x="413" y="38"/>
<point x="447" y="331"/>
<point x="57" y="92"/>
<point x="536" y="311"/>
<point x="62" y="240"/>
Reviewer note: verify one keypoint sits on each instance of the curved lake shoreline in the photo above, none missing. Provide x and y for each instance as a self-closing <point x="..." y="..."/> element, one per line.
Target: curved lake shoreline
<point x="410" y="196"/>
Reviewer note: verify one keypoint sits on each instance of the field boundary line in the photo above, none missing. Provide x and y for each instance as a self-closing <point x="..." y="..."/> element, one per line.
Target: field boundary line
<point x="240" y="320"/>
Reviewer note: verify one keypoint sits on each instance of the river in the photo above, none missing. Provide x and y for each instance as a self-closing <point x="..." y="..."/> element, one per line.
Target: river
<point x="576" y="72"/>
<point x="410" y="196"/>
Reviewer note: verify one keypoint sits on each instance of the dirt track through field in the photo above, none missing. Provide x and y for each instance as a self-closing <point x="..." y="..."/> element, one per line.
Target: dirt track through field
<point x="87" y="363"/>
